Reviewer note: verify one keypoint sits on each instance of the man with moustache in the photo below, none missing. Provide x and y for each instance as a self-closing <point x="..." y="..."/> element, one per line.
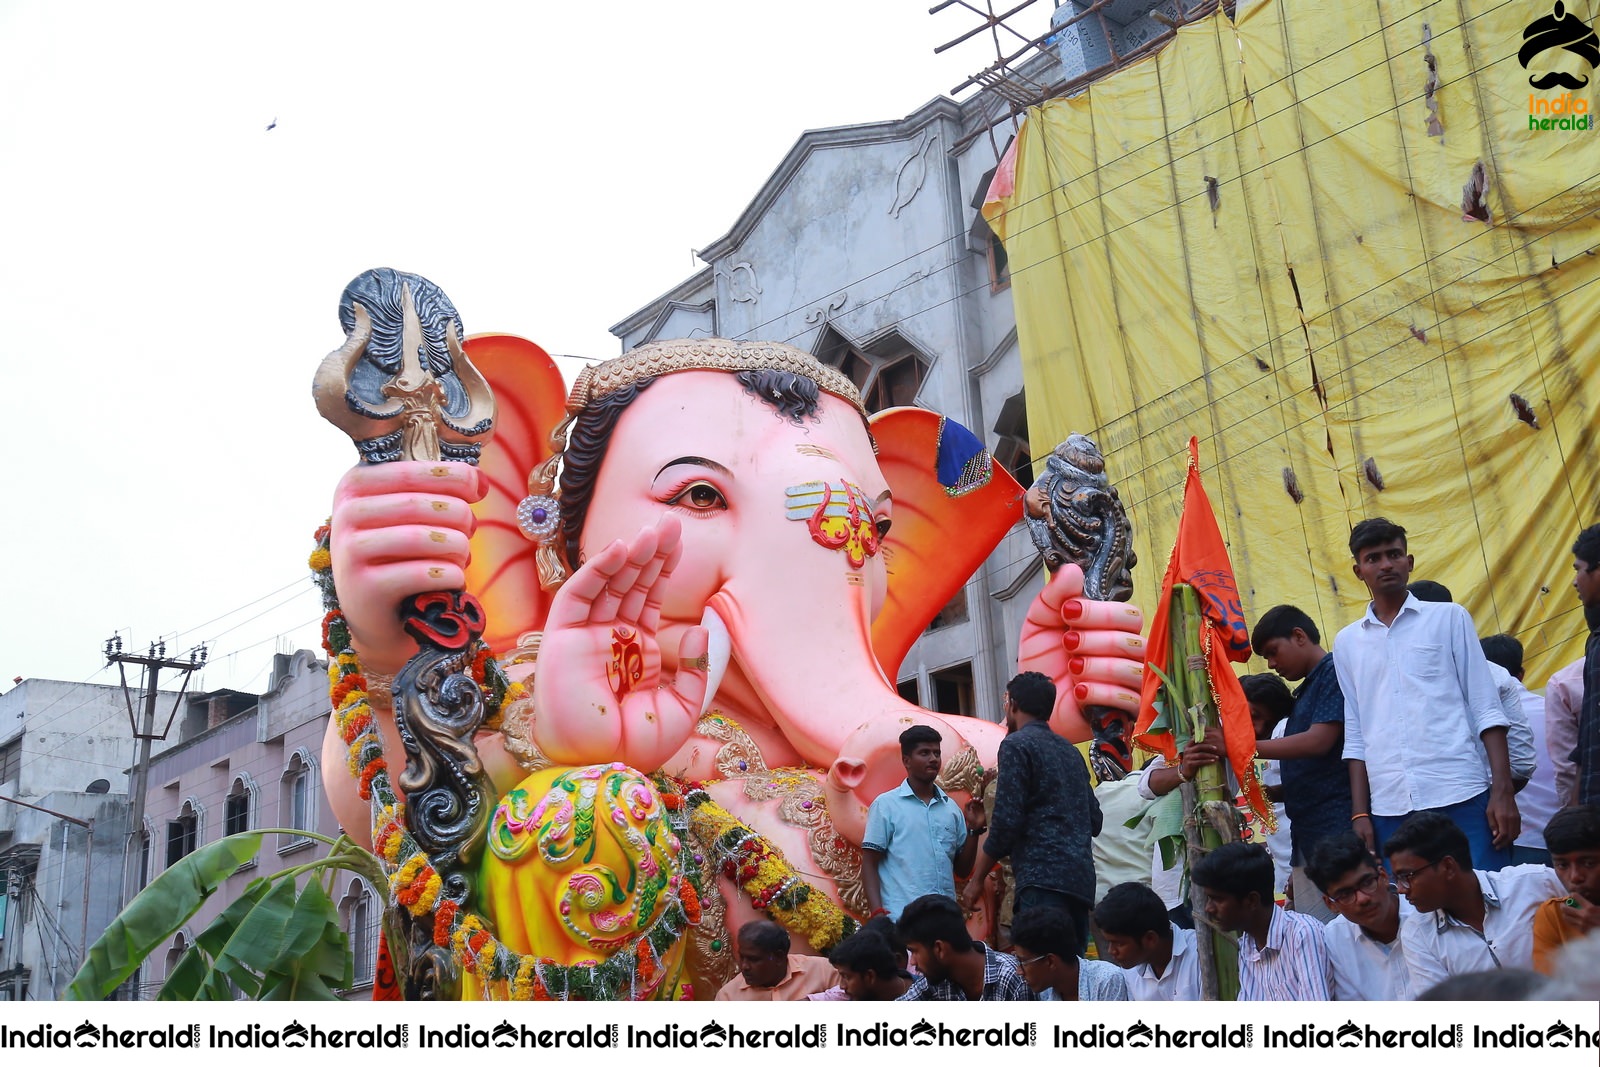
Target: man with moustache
<point x="918" y="840"/>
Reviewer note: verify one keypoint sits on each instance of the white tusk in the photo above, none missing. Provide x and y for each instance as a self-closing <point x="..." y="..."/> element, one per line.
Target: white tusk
<point x="718" y="649"/>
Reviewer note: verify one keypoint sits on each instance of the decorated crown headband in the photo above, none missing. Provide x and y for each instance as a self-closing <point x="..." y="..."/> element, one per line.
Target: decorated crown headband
<point x="539" y="514"/>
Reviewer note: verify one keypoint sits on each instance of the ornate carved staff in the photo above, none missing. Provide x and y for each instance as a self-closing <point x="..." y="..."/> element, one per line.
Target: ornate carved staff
<point x="402" y="388"/>
<point x="1075" y="516"/>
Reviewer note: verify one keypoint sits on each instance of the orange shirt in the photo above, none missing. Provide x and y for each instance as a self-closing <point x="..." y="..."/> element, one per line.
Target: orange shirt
<point x="1549" y="934"/>
<point x="807" y="975"/>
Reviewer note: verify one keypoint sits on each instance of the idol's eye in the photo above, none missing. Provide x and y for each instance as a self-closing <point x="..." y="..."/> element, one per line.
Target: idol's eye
<point x="700" y="496"/>
<point x="883" y="526"/>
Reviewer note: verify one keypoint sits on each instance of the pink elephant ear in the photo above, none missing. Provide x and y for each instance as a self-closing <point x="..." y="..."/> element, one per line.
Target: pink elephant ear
<point x="952" y="505"/>
<point x="530" y="401"/>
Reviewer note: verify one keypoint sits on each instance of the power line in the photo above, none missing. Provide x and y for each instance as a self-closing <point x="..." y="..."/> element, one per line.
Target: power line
<point x="200" y="626"/>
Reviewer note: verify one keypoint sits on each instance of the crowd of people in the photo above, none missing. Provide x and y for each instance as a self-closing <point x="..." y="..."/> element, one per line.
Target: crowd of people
<point x="1439" y="833"/>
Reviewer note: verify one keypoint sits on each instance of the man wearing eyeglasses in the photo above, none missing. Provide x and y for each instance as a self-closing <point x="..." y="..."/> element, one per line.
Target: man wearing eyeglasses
<point x="1366" y="956"/>
<point x="1466" y="920"/>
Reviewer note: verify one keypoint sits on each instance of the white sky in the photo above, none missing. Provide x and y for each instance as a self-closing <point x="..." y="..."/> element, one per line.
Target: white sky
<point x="170" y="269"/>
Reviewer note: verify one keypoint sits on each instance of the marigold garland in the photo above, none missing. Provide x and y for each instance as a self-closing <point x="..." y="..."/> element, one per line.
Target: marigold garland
<point x="759" y="868"/>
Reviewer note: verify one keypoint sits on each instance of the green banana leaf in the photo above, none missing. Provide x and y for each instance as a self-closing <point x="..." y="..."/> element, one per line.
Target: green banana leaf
<point x="269" y="944"/>
<point x="156" y="914"/>
<point x="316" y="960"/>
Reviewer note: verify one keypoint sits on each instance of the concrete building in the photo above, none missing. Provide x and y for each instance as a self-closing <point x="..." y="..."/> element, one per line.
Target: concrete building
<point x="867" y="249"/>
<point x="252" y="763"/>
<point x="233" y="761"/>
<point x="65" y="748"/>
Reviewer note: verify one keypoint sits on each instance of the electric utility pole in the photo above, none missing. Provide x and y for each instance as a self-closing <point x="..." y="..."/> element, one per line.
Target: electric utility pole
<point x="153" y="663"/>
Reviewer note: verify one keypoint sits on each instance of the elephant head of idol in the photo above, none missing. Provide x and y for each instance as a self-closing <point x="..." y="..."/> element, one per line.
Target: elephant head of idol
<point x="767" y="459"/>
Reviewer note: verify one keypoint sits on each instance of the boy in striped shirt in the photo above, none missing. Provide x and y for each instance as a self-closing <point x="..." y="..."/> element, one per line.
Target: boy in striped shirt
<point x="1281" y="953"/>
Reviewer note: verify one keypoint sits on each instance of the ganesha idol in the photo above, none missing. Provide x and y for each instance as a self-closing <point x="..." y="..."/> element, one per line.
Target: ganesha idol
<point x="699" y="572"/>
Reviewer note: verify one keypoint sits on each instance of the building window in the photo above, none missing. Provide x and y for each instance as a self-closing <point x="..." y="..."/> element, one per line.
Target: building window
<point x="10" y="761"/>
<point x="910" y="691"/>
<point x="236" y="813"/>
<point x="360" y="915"/>
<point x="999" y="266"/>
<point x="180" y="944"/>
<point x="20" y="894"/>
<point x="889" y="372"/>
<point x="952" y="690"/>
<point x="183" y="833"/>
<point x="297" y="799"/>
<point x="953" y="612"/>
<point x="1011" y="449"/>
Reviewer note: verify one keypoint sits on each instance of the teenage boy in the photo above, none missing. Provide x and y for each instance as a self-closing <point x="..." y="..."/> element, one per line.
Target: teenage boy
<point x="1366" y="956"/>
<point x="1316" y="783"/>
<point x="918" y="839"/>
<point x="952" y="965"/>
<point x="1467" y="920"/>
<point x="1158" y="957"/>
<point x="1045" y="942"/>
<point x="1573" y="837"/>
<point x="1281" y="953"/>
<point x="1424" y="728"/>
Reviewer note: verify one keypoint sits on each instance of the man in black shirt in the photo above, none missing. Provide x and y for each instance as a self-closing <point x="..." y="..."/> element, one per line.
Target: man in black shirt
<point x="1044" y="811"/>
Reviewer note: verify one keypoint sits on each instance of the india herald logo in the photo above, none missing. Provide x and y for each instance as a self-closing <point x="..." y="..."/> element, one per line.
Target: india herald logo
<point x="1558" y="31"/>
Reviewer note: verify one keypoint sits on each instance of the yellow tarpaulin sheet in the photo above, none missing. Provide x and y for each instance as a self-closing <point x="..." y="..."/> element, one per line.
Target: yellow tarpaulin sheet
<point x="1258" y="236"/>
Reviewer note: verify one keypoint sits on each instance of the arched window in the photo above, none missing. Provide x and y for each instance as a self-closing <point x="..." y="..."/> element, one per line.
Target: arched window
<point x="180" y="944"/>
<point x="297" y="798"/>
<point x="184" y="832"/>
<point x="359" y="915"/>
<point x="239" y="812"/>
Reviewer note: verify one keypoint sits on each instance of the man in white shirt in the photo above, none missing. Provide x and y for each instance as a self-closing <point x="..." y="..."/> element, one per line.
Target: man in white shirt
<point x="1366" y="956"/>
<point x="1158" y="957"/>
<point x="1466" y="920"/>
<point x="1424" y="727"/>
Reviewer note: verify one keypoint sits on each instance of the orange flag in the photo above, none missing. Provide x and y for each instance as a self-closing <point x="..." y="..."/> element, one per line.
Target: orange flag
<point x="1200" y="559"/>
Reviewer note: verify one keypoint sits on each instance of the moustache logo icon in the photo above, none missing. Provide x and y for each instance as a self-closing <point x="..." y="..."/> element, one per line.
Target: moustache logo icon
<point x="1560" y="30"/>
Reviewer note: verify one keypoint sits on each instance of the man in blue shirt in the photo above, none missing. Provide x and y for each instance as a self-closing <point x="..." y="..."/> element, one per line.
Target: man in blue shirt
<point x="918" y="839"/>
<point x="1316" y="783"/>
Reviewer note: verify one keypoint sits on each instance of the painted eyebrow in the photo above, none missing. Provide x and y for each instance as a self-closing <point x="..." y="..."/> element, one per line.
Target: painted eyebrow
<point x="695" y="461"/>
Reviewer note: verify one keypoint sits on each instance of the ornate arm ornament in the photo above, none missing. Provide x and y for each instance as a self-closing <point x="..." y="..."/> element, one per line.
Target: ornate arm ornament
<point x="1075" y="516"/>
<point x="402" y="388"/>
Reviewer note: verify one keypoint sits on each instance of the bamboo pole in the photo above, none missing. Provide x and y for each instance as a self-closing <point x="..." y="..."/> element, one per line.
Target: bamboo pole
<point x="1195" y="717"/>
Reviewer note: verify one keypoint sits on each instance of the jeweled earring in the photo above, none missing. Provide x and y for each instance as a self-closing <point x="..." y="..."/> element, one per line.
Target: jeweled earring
<point x="539" y="513"/>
